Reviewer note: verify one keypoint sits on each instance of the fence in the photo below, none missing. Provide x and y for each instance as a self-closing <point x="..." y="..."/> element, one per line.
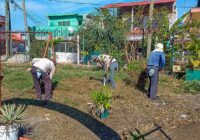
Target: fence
<point x="66" y="51"/>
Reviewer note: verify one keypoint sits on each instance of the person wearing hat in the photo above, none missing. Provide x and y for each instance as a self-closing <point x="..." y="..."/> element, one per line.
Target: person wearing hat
<point x="108" y="63"/>
<point x="155" y="64"/>
<point x="43" y="69"/>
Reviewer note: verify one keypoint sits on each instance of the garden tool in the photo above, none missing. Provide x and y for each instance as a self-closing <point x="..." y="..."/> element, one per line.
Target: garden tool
<point x="138" y="135"/>
<point x="105" y="79"/>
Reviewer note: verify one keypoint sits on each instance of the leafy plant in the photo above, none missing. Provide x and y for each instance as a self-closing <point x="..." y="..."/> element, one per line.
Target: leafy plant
<point x="189" y="32"/>
<point x="101" y="101"/>
<point x="12" y="114"/>
<point x="192" y="87"/>
<point x="135" y="68"/>
<point x="105" y="33"/>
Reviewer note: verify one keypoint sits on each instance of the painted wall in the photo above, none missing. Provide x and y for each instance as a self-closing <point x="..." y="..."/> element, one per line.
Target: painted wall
<point x="66" y="57"/>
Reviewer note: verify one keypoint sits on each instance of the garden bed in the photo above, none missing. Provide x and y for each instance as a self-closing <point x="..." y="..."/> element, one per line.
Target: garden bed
<point x="67" y="117"/>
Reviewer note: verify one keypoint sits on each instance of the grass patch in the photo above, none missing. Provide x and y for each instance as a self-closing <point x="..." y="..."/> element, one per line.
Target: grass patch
<point x="17" y="79"/>
<point x="70" y="102"/>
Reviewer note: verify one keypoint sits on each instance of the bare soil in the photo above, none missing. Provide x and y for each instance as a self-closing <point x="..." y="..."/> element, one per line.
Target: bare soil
<point x="66" y="116"/>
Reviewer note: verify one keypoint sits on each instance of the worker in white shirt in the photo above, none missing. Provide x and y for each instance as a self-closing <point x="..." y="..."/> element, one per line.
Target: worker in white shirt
<point x="43" y="68"/>
<point x="108" y="63"/>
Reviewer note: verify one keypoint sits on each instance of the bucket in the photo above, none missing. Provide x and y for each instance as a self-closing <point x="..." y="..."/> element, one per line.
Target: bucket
<point x="8" y="132"/>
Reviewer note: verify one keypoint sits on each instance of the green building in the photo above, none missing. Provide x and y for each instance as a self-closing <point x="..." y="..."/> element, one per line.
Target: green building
<point x="60" y="25"/>
<point x="63" y="26"/>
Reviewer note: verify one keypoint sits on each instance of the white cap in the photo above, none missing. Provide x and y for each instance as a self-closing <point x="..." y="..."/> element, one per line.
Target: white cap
<point x="159" y="46"/>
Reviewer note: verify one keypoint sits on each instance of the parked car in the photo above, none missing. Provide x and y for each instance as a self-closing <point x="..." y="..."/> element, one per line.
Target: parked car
<point x="19" y="48"/>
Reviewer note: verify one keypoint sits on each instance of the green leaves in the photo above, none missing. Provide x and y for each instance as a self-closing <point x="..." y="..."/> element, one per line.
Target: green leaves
<point x="192" y="86"/>
<point x="101" y="100"/>
<point x="103" y="31"/>
<point x="12" y="114"/>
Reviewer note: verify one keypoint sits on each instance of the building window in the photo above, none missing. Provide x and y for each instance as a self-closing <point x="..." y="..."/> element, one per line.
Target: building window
<point x="64" y="23"/>
<point x="65" y="47"/>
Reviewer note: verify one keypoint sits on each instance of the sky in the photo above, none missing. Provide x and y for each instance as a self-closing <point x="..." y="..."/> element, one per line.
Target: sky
<point x="38" y="9"/>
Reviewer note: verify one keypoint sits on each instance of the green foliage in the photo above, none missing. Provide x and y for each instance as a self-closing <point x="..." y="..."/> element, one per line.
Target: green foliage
<point x="137" y="74"/>
<point x="192" y="87"/>
<point x="12" y="114"/>
<point x="104" y="33"/>
<point x="162" y="22"/>
<point x="18" y="80"/>
<point x="136" y="66"/>
<point x="37" y="47"/>
<point x="102" y="97"/>
<point x="190" y="31"/>
<point x="101" y="101"/>
<point x="178" y="22"/>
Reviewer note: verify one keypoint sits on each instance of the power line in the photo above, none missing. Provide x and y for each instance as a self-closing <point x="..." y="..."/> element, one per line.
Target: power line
<point x="83" y="3"/>
<point x="37" y="21"/>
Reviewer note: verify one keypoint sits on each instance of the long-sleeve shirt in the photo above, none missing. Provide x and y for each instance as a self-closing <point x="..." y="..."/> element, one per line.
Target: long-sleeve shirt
<point x="156" y="58"/>
<point x="45" y="65"/>
<point x="107" y="60"/>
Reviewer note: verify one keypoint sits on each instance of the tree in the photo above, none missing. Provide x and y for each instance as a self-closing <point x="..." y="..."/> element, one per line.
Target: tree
<point x="105" y="33"/>
<point x="190" y="32"/>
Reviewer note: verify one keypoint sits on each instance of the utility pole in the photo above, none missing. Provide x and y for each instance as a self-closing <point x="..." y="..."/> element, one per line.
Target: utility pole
<point x="150" y="28"/>
<point x="78" y="50"/>
<point x="26" y="25"/>
<point x="8" y="35"/>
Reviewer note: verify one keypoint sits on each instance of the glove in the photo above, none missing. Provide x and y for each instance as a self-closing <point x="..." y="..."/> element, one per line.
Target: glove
<point x="151" y="72"/>
<point x="39" y="74"/>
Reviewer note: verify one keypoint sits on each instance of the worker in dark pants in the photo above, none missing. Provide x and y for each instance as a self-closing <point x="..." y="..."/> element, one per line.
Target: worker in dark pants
<point x="43" y="69"/>
<point x="155" y="64"/>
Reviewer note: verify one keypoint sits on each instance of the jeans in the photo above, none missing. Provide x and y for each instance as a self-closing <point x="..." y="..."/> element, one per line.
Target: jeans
<point x="152" y="91"/>
<point x="113" y="67"/>
<point x="47" y="83"/>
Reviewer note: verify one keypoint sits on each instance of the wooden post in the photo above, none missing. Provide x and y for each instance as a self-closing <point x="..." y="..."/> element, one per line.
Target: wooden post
<point x="26" y="24"/>
<point x="78" y="50"/>
<point x="150" y="28"/>
<point x="132" y="17"/>
<point x="46" y="49"/>
<point x="8" y="35"/>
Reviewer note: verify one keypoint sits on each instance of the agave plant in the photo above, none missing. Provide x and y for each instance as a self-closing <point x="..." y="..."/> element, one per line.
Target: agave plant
<point x="12" y="114"/>
<point x="101" y="101"/>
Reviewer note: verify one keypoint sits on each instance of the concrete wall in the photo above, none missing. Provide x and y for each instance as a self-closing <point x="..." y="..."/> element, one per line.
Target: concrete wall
<point x="62" y="57"/>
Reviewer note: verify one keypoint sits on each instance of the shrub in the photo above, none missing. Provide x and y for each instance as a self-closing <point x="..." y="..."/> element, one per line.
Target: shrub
<point x="192" y="87"/>
<point x="137" y="73"/>
<point x="101" y="101"/>
<point x="12" y="114"/>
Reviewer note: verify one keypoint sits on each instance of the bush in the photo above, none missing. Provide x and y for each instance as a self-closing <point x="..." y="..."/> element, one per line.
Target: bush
<point x="137" y="73"/>
<point x="192" y="87"/>
<point x="101" y="101"/>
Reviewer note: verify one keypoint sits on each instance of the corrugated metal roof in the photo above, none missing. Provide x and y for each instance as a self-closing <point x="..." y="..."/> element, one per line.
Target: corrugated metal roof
<point x="67" y="14"/>
<point x="195" y="10"/>
<point x="142" y="3"/>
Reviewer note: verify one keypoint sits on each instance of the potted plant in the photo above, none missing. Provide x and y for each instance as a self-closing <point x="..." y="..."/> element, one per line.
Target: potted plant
<point x="10" y="118"/>
<point x="101" y="103"/>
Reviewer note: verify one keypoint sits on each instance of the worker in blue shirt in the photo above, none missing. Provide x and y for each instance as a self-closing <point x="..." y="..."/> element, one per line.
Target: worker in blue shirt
<point x="155" y="64"/>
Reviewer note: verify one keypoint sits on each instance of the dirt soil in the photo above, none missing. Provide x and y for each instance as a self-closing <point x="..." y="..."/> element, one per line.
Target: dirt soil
<point x="66" y="116"/>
